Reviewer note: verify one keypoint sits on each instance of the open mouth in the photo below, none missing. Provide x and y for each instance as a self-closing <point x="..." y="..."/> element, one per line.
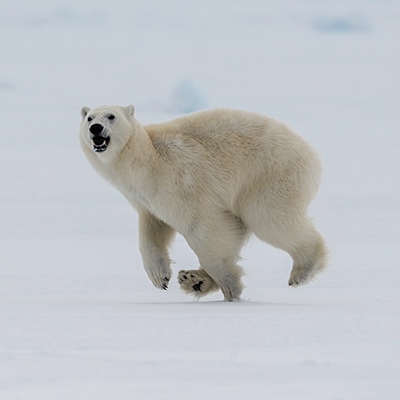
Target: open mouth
<point x="100" y="143"/>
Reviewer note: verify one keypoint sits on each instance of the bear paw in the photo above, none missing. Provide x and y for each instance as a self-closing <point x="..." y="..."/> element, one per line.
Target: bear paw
<point x="300" y="276"/>
<point x="160" y="277"/>
<point x="197" y="282"/>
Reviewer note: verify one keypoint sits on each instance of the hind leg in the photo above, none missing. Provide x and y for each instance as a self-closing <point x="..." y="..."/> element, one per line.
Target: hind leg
<point x="308" y="260"/>
<point x="217" y="242"/>
<point x="294" y="233"/>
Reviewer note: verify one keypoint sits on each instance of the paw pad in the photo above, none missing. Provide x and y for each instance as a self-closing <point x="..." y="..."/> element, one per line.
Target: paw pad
<point x="196" y="282"/>
<point x="197" y="286"/>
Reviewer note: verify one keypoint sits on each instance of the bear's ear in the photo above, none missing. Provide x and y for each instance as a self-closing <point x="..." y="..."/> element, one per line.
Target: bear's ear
<point x="130" y="110"/>
<point x="84" y="111"/>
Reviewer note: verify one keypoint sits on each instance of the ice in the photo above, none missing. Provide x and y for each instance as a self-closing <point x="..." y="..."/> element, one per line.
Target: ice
<point x="186" y="98"/>
<point x="78" y="317"/>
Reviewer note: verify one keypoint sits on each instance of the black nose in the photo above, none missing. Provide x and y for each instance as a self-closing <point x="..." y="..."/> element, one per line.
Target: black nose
<point x="96" y="129"/>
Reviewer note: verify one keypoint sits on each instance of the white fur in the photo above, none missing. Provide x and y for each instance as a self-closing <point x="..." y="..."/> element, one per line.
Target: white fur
<point x="215" y="177"/>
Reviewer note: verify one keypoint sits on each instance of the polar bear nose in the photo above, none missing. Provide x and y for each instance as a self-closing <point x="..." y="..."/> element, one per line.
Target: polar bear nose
<point x="96" y="129"/>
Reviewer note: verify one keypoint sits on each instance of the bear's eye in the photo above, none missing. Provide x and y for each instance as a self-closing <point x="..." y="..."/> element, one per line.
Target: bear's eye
<point x="111" y="117"/>
<point x="89" y="119"/>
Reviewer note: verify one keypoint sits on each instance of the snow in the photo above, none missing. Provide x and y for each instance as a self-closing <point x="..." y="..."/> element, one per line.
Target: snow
<point x="78" y="317"/>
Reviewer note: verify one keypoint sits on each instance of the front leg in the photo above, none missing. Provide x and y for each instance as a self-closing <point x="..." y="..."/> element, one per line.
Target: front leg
<point x="154" y="238"/>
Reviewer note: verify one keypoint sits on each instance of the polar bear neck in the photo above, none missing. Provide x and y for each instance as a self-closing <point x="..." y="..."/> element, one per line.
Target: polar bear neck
<point x="136" y="167"/>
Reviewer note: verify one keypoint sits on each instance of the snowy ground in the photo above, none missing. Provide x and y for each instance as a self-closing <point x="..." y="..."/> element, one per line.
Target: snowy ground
<point x="79" y="318"/>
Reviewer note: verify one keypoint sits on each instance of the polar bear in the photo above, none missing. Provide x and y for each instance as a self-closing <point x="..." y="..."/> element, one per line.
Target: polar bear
<point x="214" y="176"/>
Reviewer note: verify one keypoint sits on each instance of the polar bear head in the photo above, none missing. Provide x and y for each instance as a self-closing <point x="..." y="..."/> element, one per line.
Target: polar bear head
<point x="106" y="128"/>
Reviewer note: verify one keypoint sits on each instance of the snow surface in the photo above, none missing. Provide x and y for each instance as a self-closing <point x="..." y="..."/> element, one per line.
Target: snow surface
<point x="78" y="317"/>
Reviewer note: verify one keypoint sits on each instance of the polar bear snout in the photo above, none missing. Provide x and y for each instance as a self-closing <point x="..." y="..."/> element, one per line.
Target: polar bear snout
<point x="96" y="129"/>
<point x="99" y="137"/>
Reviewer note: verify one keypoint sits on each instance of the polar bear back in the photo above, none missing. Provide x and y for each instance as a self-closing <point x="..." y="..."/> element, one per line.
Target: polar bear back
<point x="241" y="148"/>
<point x="234" y="133"/>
